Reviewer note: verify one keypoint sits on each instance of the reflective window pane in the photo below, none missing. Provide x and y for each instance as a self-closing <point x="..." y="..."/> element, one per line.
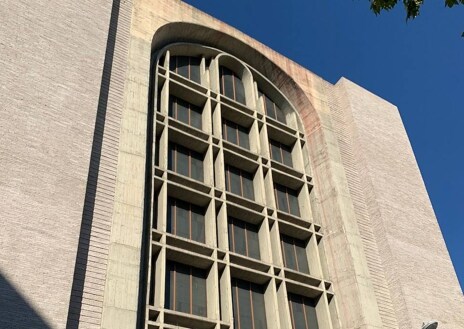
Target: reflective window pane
<point x="182" y="219"/>
<point x="289" y="253"/>
<point x="185" y="289"/>
<point x="247" y="181"/>
<point x="195" y="69"/>
<point x="239" y="237"/>
<point x="197" y="166"/>
<point x="303" y="312"/>
<point x="244" y="302"/>
<point x="239" y="90"/>
<point x="230" y="132"/>
<point x="281" y="197"/>
<point x="293" y="202"/>
<point x="253" y="241"/>
<point x="195" y="117"/>
<point x="311" y="316"/>
<point x="295" y="256"/>
<point x="298" y="317"/>
<point x="182" y="282"/>
<point x="233" y="180"/>
<point x="182" y="66"/>
<point x="259" y="311"/>
<point x="280" y="114"/>
<point x="185" y="162"/>
<point x="198" y="292"/>
<point x="243" y="138"/>
<point x="182" y="110"/>
<point x="287" y="156"/>
<point x="182" y="161"/>
<point x="275" y="152"/>
<point x="187" y="66"/>
<point x="269" y="107"/>
<point x="198" y="224"/>
<point x="249" y="306"/>
<point x="227" y="84"/>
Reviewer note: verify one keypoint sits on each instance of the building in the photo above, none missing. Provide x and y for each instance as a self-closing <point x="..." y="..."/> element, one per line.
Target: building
<point x="161" y="169"/>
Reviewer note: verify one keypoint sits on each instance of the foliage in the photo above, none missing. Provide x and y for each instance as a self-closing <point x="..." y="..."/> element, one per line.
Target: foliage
<point x="412" y="7"/>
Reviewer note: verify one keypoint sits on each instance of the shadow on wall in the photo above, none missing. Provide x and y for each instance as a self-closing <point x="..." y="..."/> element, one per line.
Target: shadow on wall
<point x="15" y="310"/>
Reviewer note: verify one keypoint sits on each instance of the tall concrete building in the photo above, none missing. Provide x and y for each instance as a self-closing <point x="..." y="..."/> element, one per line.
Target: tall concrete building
<point x="160" y="169"/>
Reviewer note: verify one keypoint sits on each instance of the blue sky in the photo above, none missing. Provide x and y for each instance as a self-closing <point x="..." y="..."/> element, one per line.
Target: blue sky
<point x="416" y="65"/>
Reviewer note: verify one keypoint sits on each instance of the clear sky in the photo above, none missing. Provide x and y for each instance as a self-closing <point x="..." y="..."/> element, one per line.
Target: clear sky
<point x="417" y="66"/>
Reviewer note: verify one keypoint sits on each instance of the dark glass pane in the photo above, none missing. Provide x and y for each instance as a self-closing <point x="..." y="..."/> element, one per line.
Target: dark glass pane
<point x="269" y="106"/>
<point x="230" y="233"/>
<point x="198" y="224"/>
<point x="227" y="88"/>
<point x="287" y="156"/>
<point x="235" y="181"/>
<point x="173" y="63"/>
<point x="235" y="303"/>
<point x="275" y="152"/>
<point x="169" y="290"/>
<point x="231" y="132"/>
<point x="243" y="137"/>
<point x="171" y="156"/>
<point x="182" y="223"/>
<point x="299" y="320"/>
<point x="199" y="292"/>
<point x="197" y="166"/>
<point x="182" y="160"/>
<point x="280" y="114"/>
<point x="253" y="241"/>
<point x="195" y="117"/>
<point x="170" y="216"/>
<point x="172" y="106"/>
<point x="182" y="110"/>
<point x="183" y="66"/>
<point x="293" y="201"/>
<point x="311" y="315"/>
<point x="244" y="305"/>
<point x="289" y="252"/>
<point x="158" y="100"/>
<point x="259" y="311"/>
<point x="239" y="237"/>
<point x="247" y="181"/>
<point x="301" y="257"/>
<point x="239" y="90"/>
<point x="281" y="196"/>
<point x="195" y="69"/>
<point x="182" y="288"/>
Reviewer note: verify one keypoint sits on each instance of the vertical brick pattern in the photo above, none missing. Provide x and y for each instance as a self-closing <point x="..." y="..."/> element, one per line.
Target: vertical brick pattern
<point x="356" y="177"/>
<point x="51" y="59"/>
<point x="417" y="267"/>
<point x="85" y="309"/>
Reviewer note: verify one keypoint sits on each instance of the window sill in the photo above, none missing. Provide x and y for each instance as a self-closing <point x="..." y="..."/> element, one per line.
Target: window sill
<point x="240" y="150"/>
<point x="302" y="277"/>
<point x="188" y="320"/>
<point x="189" y="83"/>
<point x="247" y="203"/>
<point x="191" y="245"/>
<point x="293" y="219"/>
<point x="188" y="129"/>
<point x="286" y="169"/>
<point x="248" y="262"/>
<point x="188" y="182"/>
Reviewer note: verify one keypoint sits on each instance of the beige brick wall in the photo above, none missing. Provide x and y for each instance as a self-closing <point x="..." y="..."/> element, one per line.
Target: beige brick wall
<point x="415" y="260"/>
<point x="51" y="59"/>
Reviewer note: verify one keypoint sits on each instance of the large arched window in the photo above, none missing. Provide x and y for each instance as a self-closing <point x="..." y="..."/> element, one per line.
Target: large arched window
<point x="232" y="227"/>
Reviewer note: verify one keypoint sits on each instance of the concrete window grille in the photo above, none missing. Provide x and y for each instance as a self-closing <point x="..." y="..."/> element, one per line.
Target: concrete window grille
<point x="231" y="213"/>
